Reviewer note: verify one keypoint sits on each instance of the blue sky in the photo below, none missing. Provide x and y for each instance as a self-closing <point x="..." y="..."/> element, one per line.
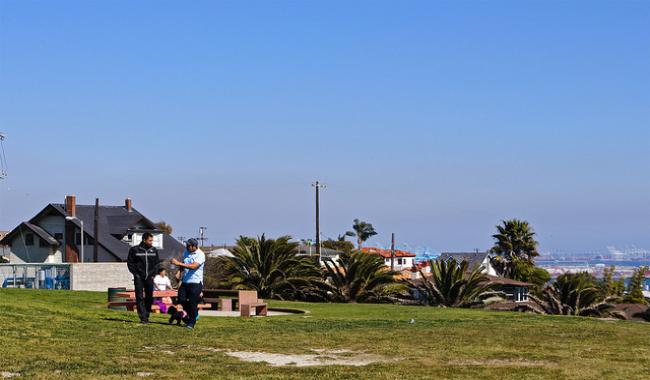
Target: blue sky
<point x="433" y="120"/>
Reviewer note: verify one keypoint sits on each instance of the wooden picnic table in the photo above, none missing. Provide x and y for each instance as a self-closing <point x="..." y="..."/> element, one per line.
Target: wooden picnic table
<point x="156" y="294"/>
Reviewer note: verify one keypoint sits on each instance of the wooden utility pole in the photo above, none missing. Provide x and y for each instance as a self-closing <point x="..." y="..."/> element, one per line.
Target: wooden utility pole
<point x="96" y="232"/>
<point x="318" y="186"/>
<point x="392" y="251"/>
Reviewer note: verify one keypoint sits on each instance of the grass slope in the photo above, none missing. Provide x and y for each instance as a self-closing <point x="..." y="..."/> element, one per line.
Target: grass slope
<point x="64" y="335"/>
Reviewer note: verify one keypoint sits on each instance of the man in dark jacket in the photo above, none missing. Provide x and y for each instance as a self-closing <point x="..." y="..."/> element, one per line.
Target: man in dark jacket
<point x="143" y="263"/>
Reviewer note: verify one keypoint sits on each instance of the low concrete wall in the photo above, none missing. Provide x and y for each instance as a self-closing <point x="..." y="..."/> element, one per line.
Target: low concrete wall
<point x="100" y="276"/>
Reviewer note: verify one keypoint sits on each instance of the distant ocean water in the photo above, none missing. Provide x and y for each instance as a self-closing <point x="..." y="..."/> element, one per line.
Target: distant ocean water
<point x="577" y="263"/>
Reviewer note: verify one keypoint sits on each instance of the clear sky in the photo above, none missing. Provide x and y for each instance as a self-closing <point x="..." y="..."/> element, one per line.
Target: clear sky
<point x="431" y="119"/>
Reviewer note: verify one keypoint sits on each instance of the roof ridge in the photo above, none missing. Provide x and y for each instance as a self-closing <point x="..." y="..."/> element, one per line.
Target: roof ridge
<point x="90" y="205"/>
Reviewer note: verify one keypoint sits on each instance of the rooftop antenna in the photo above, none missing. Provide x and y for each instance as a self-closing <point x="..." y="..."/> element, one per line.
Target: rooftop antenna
<point x="3" y="158"/>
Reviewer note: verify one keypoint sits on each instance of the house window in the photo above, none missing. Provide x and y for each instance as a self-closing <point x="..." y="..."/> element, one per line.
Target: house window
<point x="29" y="239"/>
<point x="42" y="243"/>
<point x="399" y="261"/>
<point x="87" y="239"/>
<point x="521" y="294"/>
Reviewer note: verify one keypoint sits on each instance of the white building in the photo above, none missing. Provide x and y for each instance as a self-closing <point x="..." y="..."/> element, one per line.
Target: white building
<point x="402" y="260"/>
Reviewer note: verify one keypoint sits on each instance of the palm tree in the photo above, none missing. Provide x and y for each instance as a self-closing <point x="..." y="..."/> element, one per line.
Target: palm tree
<point x="273" y="268"/>
<point x="515" y="241"/>
<point x="363" y="277"/>
<point x="343" y="236"/>
<point x="363" y="231"/>
<point x="635" y="289"/>
<point x="453" y="284"/>
<point x="571" y="294"/>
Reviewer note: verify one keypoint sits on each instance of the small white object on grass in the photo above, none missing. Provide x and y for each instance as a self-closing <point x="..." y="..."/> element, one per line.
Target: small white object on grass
<point x="412" y="321"/>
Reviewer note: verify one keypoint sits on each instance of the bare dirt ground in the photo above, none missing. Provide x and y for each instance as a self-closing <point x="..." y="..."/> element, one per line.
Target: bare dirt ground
<point x="318" y="358"/>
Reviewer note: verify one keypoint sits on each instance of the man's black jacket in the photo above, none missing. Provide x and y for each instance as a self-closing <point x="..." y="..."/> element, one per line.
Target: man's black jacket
<point x="142" y="261"/>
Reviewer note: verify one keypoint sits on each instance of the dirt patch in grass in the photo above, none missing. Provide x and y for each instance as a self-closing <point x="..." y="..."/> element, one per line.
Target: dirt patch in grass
<point x="161" y="349"/>
<point x="318" y="358"/>
<point x="500" y="363"/>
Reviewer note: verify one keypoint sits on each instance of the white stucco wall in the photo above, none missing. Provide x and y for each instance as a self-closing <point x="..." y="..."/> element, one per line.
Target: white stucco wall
<point x="488" y="268"/>
<point x="407" y="262"/>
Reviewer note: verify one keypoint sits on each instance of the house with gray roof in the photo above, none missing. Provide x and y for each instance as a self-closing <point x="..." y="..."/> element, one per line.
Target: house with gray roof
<point x="474" y="259"/>
<point x="514" y="291"/>
<point x="54" y="234"/>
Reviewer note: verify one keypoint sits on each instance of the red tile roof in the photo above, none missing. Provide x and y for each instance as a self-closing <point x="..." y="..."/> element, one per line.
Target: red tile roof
<point x="385" y="253"/>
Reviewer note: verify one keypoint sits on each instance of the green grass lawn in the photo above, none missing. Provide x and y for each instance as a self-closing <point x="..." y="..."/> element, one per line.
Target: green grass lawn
<point x="63" y="335"/>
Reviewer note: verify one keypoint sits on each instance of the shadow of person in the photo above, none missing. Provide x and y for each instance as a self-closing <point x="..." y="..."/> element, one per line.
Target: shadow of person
<point x="132" y="321"/>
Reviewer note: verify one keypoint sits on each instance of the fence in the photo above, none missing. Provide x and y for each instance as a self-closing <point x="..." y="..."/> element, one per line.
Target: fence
<point x="35" y="276"/>
<point x="77" y="276"/>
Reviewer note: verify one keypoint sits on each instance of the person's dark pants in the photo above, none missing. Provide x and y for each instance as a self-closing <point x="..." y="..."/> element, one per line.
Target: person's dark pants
<point x="189" y="295"/>
<point x="143" y="296"/>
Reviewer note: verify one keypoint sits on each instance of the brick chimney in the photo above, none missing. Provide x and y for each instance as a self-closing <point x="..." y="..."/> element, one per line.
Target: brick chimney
<point x="128" y="204"/>
<point x="71" y="205"/>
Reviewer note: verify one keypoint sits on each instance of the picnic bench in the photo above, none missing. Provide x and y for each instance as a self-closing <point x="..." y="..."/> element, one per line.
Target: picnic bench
<point x="231" y="300"/>
<point x="248" y="302"/>
<point x="245" y="301"/>
<point x="226" y="299"/>
<point x="130" y="303"/>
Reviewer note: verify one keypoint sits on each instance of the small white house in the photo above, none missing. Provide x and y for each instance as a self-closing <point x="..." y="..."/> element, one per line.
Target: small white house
<point x="402" y="260"/>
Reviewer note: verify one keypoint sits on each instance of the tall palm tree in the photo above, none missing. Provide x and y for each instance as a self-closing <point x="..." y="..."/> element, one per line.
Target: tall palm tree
<point x="363" y="231"/>
<point x="570" y="294"/>
<point x="453" y="284"/>
<point x="515" y="241"/>
<point x="363" y="277"/>
<point x="273" y="268"/>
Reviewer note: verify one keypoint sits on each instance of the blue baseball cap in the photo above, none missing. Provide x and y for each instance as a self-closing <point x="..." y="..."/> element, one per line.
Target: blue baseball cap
<point x="193" y="242"/>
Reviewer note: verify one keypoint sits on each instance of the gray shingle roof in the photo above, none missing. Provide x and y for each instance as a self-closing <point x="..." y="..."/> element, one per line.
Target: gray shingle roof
<point x="41" y="233"/>
<point x="115" y="220"/>
<point x="474" y="259"/>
